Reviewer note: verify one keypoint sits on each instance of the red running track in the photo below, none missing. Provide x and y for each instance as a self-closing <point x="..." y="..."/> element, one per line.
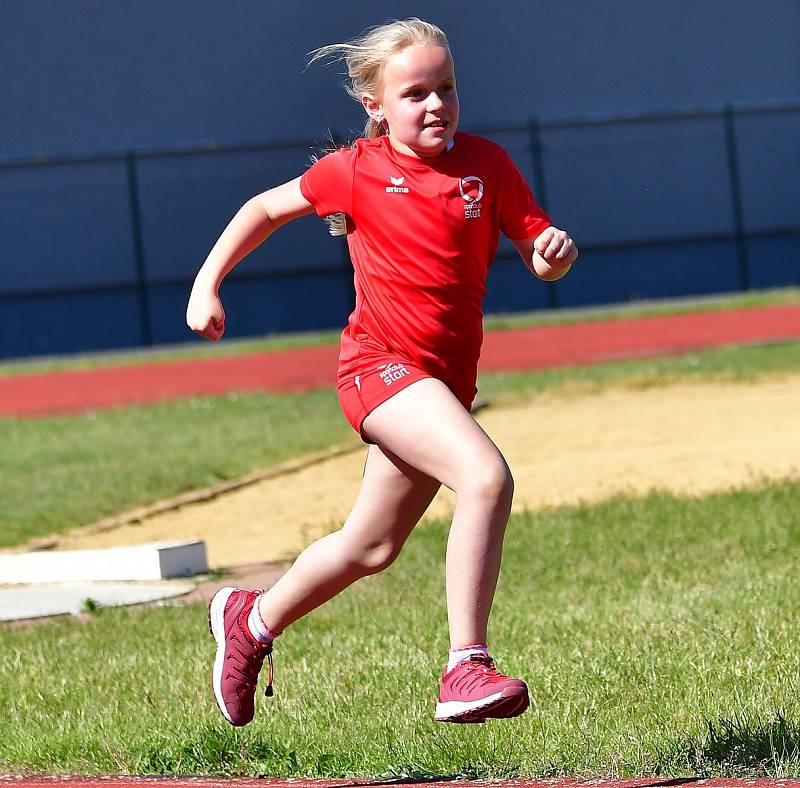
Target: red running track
<point x="308" y="368"/>
<point x="206" y="782"/>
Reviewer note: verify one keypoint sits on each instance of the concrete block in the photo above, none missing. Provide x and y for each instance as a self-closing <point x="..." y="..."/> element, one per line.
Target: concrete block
<point x="154" y="561"/>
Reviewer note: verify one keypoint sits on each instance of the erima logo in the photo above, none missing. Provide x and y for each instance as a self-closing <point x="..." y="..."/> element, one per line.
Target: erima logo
<point x="397" y="186"/>
<point x="471" y="189"/>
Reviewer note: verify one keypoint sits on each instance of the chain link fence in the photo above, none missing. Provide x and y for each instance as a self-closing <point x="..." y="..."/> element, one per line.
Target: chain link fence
<point x="99" y="250"/>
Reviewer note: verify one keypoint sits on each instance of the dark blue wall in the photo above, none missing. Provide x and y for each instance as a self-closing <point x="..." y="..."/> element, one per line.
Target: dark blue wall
<point x="94" y="74"/>
<point x="92" y="77"/>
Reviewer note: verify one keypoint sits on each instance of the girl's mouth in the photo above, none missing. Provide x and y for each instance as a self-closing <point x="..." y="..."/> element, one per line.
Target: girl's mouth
<point x="437" y="124"/>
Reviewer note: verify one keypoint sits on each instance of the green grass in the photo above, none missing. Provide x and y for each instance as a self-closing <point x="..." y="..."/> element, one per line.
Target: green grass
<point x="200" y="349"/>
<point x="725" y="364"/>
<point x="64" y="472"/>
<point x="658" y="636"/>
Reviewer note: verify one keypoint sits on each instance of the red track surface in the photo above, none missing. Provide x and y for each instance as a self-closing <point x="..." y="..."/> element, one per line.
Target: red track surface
<point x="205" y="782"/>
<point x="308" y="368"/>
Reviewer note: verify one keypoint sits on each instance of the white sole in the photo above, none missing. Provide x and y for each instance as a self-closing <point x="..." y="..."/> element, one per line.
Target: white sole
<point x="453" y="709"/>
<point x="216" y="621"/>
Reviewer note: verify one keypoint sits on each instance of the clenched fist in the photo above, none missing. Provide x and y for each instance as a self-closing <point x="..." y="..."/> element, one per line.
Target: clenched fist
<point x="556" y="247"/>
<point x="205" y="314"/>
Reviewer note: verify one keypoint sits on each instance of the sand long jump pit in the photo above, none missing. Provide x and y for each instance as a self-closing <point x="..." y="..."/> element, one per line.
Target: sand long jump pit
<point x="563" y="448"/>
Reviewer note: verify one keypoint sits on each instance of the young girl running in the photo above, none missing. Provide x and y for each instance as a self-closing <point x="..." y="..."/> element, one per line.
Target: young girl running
<point x="423" y="206"/>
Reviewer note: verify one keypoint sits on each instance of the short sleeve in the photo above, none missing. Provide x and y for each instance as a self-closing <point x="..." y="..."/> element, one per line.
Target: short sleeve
<point x="520" y="215"/>
<point x="328" y="183"/>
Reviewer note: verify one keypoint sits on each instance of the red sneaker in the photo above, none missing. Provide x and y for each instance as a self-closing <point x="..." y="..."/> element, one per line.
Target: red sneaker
<point x="239" y="656"/>
<point x="474" y="691"/>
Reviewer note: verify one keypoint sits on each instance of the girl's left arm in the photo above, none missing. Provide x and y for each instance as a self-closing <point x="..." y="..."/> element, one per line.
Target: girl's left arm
<point x="550" y="255"/>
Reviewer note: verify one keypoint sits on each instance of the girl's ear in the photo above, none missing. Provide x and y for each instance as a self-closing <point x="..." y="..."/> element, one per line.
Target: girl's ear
<point x="373" y="108"/>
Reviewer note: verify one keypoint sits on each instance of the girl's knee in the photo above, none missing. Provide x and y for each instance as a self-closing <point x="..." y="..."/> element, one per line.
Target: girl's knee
<point x="372" y="558"/>
<point x="490" y="479"/>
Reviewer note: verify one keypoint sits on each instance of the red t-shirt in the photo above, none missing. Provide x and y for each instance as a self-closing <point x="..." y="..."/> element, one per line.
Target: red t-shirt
<point x="422" y="234"/>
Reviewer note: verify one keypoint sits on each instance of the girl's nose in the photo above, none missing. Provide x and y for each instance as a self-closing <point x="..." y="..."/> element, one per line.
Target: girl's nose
<point x="434" y="102"/>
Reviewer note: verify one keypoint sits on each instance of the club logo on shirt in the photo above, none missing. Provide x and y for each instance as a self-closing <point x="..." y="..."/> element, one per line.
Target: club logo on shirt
<point x="393" y="372"/>
<point x="471" y="188"/>
<point x="397" y="186"/>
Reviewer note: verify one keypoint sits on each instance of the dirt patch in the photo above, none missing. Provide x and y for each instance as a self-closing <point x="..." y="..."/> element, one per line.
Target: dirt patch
<point x="690" y="438"/>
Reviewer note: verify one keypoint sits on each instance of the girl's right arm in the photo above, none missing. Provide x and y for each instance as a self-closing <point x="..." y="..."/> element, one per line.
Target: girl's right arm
<point x="255" y="221"/>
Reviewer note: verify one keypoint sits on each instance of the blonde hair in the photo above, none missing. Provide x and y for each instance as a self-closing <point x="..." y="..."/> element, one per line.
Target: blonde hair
<point x="365" y="56"/>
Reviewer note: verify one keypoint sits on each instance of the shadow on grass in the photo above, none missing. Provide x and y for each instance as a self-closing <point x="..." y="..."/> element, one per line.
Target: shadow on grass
<point x="742" y="746"/>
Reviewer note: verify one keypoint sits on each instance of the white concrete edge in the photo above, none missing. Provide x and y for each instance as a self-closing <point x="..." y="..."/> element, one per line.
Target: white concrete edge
<point x="151" y="561"/>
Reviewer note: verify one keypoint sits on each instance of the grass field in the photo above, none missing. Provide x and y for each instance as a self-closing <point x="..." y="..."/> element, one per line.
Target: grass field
<point x="68" y="471"/>
<point x="659" y="637"/>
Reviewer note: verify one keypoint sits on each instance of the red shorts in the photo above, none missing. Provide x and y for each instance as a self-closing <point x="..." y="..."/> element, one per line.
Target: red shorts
<point x="376" y="381"/>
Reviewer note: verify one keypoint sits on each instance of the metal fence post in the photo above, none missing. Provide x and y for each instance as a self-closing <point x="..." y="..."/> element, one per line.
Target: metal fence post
<point x="540" y="185"/>
<point x="138" y="249"/>
<point x="736" y="197"/>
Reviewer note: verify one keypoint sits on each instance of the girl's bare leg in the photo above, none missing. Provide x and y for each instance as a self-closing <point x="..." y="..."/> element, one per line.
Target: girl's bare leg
<point x="429" y="428"/>
<point x="392" y="498"/>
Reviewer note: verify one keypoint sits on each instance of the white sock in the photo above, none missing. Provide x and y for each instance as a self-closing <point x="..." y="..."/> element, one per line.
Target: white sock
<point x="258" y="629"/>
<point x="457" y="654"/>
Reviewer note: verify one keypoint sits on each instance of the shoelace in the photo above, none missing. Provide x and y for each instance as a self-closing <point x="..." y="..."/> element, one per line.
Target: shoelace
<point x="486" y="663"/>
<point x="484" y="667"/>
<point x="267" y="652"/>
<point x="245" y="666"/>
<point x="269" y="692"/>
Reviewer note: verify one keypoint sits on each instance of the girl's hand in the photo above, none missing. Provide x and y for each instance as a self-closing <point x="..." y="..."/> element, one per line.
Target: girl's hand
<point x="549" y="255"/>
<point x="556" y="248"/>
<point x="204" y="314"/>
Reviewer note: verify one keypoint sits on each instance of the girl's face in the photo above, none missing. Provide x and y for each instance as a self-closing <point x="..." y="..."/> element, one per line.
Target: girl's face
<point x="419" y="102"/>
